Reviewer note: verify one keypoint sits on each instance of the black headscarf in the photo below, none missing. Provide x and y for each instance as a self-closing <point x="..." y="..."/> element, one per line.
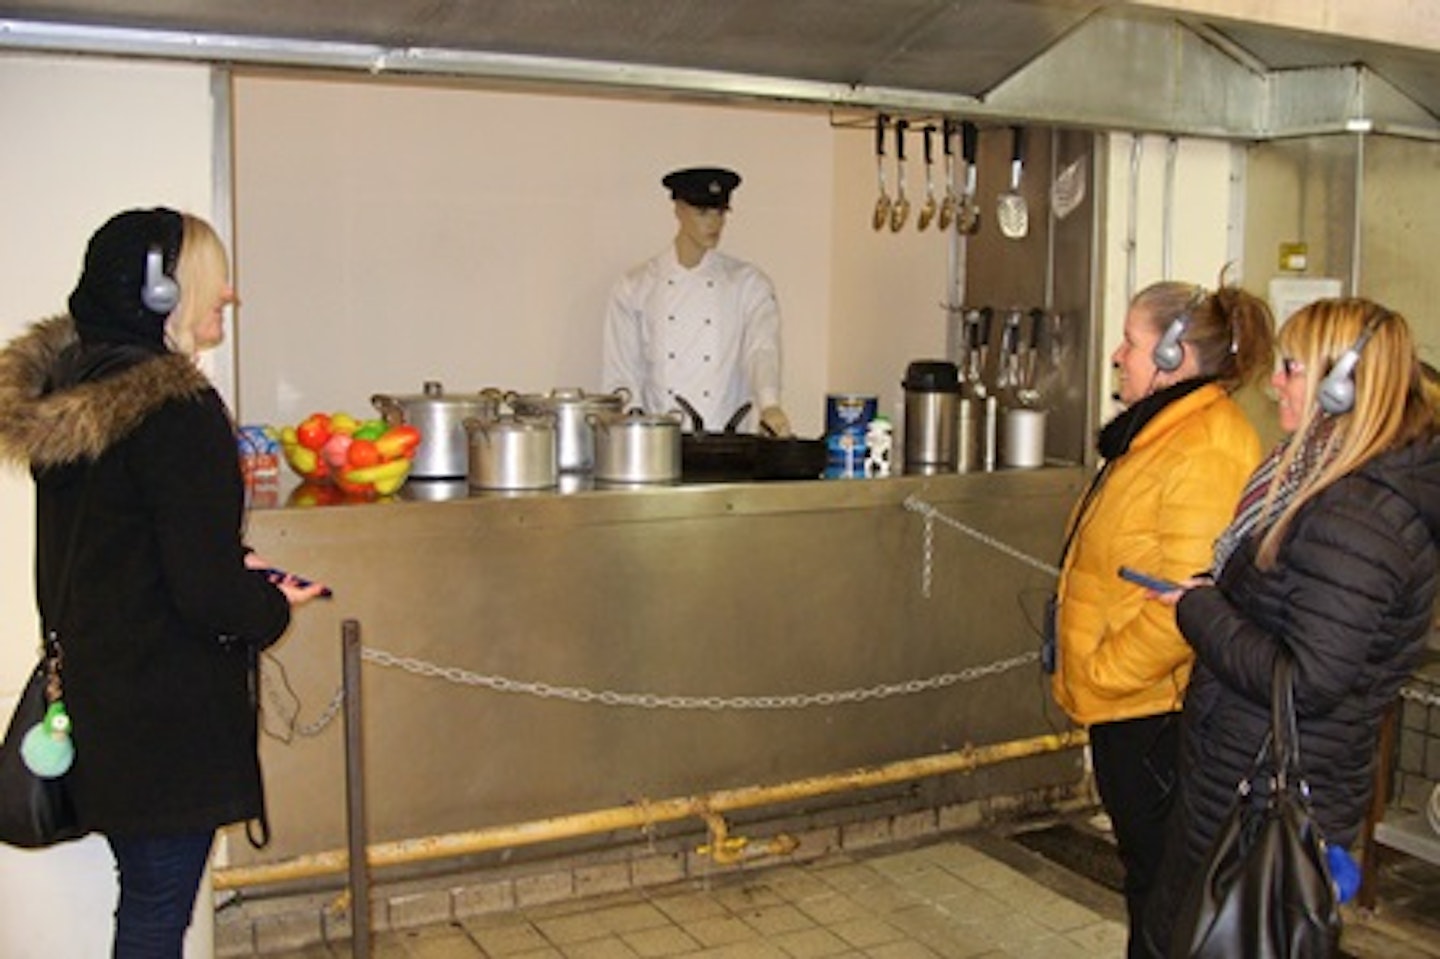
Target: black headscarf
<point x="106" y="303"/>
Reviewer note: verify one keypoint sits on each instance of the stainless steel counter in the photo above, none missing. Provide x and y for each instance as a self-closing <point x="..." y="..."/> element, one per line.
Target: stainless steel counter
<point x="773" y="589"/>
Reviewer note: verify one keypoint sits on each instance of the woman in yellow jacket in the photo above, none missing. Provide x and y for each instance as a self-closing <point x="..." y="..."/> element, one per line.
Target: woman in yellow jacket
<point x="1173" y="464"/>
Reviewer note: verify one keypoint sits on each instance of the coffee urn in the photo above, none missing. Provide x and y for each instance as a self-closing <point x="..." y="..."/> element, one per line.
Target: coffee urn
<point x="932" y="394"/>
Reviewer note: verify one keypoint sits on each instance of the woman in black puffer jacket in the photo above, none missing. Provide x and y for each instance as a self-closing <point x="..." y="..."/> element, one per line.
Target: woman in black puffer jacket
<point x="1332" y="560"/>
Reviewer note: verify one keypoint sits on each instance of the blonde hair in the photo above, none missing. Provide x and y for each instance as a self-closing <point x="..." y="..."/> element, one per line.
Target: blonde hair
<point x="202" y="271"/>
<point x="1391" y="406"/>
<point x="1231" y="332"/>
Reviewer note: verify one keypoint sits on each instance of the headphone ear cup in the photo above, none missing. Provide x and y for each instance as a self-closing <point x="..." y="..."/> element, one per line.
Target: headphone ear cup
<point x="1169" y="353"/>
<point x="1337" y="390"/>
<point x="160" y="293"/>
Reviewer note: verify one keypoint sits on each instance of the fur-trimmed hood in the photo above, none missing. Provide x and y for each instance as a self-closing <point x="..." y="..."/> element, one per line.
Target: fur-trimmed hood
<point x="41" y="426"/>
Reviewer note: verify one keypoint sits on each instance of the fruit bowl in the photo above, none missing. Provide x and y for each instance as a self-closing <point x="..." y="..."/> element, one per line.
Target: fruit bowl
<point x="360" y="457"/>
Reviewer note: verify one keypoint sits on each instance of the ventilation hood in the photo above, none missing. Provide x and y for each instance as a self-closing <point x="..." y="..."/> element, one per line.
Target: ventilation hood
<point x="1237" y="70"/>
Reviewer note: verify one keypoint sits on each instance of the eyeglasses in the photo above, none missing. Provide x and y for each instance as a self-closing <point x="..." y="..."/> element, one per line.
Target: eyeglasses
<point x="1291" y="367"/>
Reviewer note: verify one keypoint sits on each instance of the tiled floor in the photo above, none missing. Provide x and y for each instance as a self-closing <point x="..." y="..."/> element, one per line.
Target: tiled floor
<point x="950" y="899"/>
<point x="976" y="895"/>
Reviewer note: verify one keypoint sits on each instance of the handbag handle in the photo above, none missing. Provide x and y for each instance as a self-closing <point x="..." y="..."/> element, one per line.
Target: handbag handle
<point x="50" y="649"/>
<point x="1284" y="727"/>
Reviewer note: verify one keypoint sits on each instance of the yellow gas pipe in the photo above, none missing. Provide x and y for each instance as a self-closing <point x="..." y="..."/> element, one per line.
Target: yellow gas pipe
<point x="723" y="847"/>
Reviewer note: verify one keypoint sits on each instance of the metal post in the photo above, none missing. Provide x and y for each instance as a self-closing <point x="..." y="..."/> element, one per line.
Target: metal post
<point x="355" y="793"/>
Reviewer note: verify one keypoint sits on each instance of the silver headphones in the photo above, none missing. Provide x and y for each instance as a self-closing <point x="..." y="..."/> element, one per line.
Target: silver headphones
<point x="1169" y="352"/>
<point x="160" y="293"/>
<point x="1337" y="390"/>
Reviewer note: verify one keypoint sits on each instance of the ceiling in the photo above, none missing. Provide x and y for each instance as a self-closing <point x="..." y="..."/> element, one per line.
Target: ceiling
<point x="1087" y="62"/>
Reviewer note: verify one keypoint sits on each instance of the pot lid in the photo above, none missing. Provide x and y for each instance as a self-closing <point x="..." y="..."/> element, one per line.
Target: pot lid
<point x="433" y="394"/>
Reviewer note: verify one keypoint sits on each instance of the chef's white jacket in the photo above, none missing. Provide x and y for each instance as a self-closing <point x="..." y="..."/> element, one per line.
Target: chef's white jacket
<point x="710" y="334"/>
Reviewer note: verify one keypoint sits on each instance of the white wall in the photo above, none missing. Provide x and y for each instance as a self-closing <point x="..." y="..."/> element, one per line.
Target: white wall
<point x="390" y="234"/>
<point x="83" y="139"/>
<point x="1202" y="239"/>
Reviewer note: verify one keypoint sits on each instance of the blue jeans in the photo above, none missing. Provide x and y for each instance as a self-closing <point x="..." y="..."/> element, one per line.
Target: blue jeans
<point x="159" y="876"/>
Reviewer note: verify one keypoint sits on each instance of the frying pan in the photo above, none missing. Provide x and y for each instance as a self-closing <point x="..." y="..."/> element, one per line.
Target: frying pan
<point x="729" y="456"/>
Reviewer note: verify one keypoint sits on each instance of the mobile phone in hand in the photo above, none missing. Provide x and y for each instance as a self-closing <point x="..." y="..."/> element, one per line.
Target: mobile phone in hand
<point x="1154" y="583"/>
<point x="274" y="574"/>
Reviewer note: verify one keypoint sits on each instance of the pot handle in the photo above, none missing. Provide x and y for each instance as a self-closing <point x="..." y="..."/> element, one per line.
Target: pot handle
<point x="473" y="425"/>
<point x="389" y="408"/>
<point x="597" y="423"/>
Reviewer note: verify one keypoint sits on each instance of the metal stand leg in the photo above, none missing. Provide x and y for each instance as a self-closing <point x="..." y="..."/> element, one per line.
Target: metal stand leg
<point x="355" y="793"/>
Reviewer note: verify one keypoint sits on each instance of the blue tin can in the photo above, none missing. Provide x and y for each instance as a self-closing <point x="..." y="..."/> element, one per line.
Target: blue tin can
<point x="847" y="420"/>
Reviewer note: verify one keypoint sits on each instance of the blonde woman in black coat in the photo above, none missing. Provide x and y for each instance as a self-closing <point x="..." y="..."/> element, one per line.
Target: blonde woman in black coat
<point x="133" y="450"/>
<point x="1332" y="561"/>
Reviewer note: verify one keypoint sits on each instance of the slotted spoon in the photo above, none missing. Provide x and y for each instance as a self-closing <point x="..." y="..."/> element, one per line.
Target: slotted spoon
<point x="1011" y="210"/>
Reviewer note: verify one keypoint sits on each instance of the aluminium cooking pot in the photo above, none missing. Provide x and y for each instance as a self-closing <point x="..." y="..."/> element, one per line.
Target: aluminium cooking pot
<point x="512" y="452"/>
<point x="574" y="437"/>
<point x="444" y="450"/>
<point x="636" y="447"/>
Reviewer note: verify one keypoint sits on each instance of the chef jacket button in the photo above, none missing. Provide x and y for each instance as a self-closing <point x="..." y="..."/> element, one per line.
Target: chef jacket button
<point x="707" y="357"/>
<point x="710" y="284"/>
<point x="671" y="317"/>
<point x="672" y="356"/>
<point x="708" y="321"/>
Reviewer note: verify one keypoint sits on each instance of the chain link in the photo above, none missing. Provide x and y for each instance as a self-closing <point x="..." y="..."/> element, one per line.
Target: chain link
<point x="1417" y="695"/>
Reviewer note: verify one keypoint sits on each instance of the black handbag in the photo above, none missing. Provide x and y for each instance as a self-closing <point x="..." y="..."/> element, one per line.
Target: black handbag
<point x="34" y="811"/>
<point x="1264" y="890"/>
<point x="37" y="811"/>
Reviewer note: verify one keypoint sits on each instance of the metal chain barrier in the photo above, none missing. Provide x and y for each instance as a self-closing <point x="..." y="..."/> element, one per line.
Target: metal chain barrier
<point x="916" y="505"/>
<point x="646" y="700"/>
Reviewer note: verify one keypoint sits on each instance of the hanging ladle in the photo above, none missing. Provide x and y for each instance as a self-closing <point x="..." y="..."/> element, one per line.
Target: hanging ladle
<point x="947" y="205"/>
<point x="900" y="211"/>
<point x="928" y="208"/>
<point x="881" y="215"/>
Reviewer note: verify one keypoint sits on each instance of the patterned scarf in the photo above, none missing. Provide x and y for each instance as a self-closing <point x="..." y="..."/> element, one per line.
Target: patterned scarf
<point x="1248" y="514"/>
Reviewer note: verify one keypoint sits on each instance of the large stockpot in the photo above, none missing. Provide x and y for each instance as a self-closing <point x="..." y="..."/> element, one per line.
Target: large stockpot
<point x="512" y="452"/>
<point x="444" y="450"/>
<point x="575" y="440"/>
<point x="636" y="447"/>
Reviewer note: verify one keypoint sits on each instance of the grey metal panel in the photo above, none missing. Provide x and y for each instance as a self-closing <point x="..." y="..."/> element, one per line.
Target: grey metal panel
<point x="766" y="589"/>
<point x="1081" y="62"/>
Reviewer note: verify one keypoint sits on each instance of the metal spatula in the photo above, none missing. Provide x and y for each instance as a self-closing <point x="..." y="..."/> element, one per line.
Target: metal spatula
<point x="1011" y="211"/>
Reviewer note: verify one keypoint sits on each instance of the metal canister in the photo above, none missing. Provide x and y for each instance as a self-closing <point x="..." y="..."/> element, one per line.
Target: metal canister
<point x="1022" y="438"/>
<point x="932" y="396"/>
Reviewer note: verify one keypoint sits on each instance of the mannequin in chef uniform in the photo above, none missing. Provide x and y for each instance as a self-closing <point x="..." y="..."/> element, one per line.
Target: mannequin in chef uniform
<point x="695" y="322"/>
